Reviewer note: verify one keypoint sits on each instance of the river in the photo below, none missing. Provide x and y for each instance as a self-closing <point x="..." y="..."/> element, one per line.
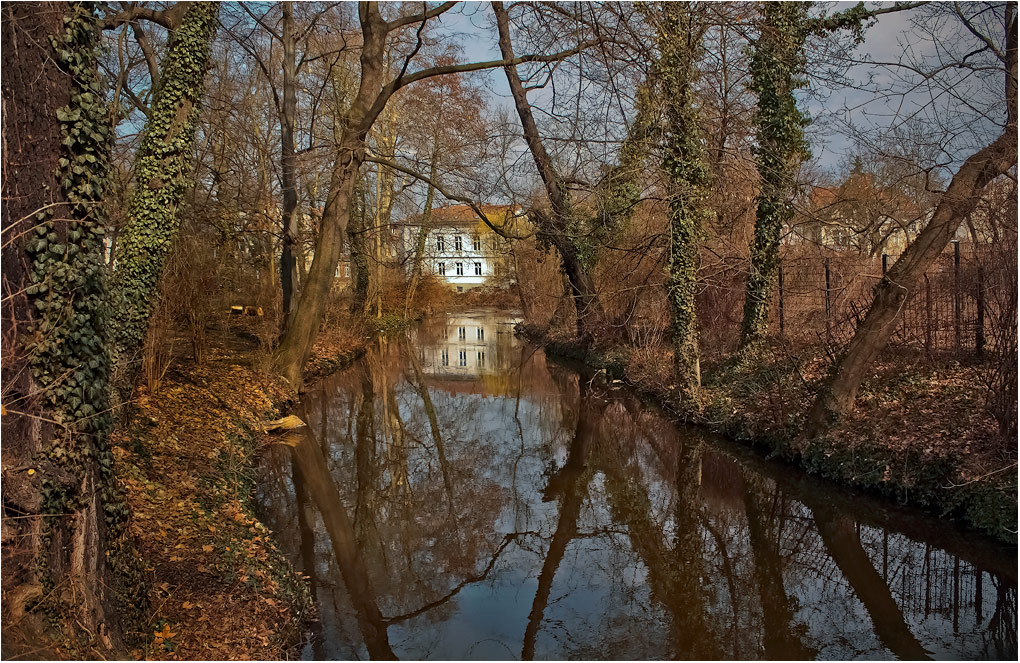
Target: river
<point x="459" y="495"/>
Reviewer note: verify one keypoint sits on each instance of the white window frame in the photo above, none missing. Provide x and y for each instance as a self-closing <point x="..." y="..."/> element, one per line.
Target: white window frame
<point x="460" y="268"/>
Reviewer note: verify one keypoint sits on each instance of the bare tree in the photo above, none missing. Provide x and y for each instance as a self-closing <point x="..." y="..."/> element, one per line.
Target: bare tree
<point x="373" y="93"/>
<point x="960" y="198"/>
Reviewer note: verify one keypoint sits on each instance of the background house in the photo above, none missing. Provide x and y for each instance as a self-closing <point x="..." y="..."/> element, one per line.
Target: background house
<point x="459" y="248"/>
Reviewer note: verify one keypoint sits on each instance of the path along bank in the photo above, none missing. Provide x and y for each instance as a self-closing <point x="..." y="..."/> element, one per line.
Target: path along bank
<point x="218" y="586"/>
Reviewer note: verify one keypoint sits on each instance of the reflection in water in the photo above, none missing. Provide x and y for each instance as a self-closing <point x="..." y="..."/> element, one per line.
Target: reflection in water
<point x="517" y="509"/>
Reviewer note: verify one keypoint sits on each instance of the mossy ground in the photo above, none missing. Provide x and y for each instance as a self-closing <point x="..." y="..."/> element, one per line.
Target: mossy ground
<point x="219" y="587"/>
<point x="920" y="433"/>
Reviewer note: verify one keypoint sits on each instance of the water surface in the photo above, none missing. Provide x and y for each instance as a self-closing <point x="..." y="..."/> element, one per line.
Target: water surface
<point x="460" y="496"/>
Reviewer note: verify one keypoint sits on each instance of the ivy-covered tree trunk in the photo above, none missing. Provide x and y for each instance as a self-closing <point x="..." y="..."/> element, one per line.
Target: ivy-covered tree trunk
<point x="72" y="560"/>
<point x="680" y="42"/>
<point x="776" y="62"/>
<point x="163" y="176"/>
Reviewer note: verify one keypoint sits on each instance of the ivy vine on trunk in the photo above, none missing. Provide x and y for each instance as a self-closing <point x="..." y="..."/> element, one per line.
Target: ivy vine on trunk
<point x="777" y="60"/>
<point x="163" y="175"/>
<point x="81" y="545"/>
<point x="680" y="36"/>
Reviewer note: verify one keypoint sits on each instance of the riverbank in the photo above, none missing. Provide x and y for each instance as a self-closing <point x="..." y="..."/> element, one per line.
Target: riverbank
<point x="218" y="585"/>
<point x="920" y="435"/>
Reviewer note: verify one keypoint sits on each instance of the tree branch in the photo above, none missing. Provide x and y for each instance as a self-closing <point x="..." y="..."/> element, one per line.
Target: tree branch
<point x="169" y="18"/>
<point x="499" y="230"/>
<point x="422" y="17"/>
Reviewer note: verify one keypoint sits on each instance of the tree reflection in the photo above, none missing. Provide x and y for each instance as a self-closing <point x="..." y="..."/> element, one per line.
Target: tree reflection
<point x="765" y="509"/>
<point x="646" y="539"/>
<point x="307" y="456"/>
<point x="568" y="485"/>
<point x="843" y="544"/>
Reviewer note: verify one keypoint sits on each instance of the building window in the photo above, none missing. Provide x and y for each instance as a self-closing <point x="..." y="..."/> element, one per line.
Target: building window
<point x="460" y="288"/>
<point x="462" y="333"/>
<point x="347" y="270"/>
<point x="476" y="243"/>
<point x="460" y="269"/>
<point x="463" y="357"/>
<point x="480" y="334"/>
<point x="441" y="269"/>
<point x="478" y="269"/>
<point x="481" y="359"/>
<point x="439" y="242"/>
<point x="457" y="244"/>
<point x="445" y="357"/>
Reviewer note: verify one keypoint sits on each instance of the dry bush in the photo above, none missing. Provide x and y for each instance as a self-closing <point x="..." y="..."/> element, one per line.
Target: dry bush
<point x="158" y="348"/>
<point x="192" y="279"/>
<point x="539" y="279"/>
<point x="432" y="295"/>
<point x="499" y="297"/>
<point x="1001" y="326"/>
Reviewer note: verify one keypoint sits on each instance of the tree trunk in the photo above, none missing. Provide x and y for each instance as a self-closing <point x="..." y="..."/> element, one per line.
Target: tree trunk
<point x="163" y="172"/>
<point x="555" y="224"/>
<point x="359" y="257"/>
<point x="776" y="61"/>
<point x="680" y="43"/>
<point x="71" y="557"/>
<point x="296" y="345"/>
<point x="288" y="166"/>
<point x="958" y="201"/>
<point x="423" y="230"/>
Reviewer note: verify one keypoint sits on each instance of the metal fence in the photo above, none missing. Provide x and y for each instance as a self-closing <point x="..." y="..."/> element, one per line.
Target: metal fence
<point x="823" y="298"/>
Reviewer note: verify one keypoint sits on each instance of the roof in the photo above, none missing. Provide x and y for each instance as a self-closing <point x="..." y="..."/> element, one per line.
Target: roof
<point x="463" y="215"/>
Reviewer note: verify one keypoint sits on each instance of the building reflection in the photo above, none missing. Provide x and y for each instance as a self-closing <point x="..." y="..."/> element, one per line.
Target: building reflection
<point x="518" y="509"/>
<point x="468" y="346"/>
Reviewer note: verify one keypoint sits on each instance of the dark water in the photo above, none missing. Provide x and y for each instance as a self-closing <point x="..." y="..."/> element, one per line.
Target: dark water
<point x="461" y="496"/>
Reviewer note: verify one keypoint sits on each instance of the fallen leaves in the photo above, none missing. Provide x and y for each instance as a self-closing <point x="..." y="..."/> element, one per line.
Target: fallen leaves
<point x="178" y="462"/>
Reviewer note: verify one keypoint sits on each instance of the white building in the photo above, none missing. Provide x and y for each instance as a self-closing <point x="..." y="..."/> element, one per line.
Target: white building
<point x="459" y="248"/>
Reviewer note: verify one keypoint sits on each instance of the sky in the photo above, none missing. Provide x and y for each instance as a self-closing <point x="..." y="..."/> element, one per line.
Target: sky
<point x="885" y="41"/>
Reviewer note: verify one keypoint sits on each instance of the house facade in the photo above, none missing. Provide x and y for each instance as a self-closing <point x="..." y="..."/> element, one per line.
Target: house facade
<point x="459" y="248"/>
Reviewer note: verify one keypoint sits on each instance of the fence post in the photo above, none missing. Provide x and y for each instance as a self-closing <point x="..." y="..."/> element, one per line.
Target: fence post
<point x="828" y="302"/>
<point x="928" y="331"/>
<point x="979" y="332"/>
<point x="782" y="321"/>
<point x="957" y="312"/>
